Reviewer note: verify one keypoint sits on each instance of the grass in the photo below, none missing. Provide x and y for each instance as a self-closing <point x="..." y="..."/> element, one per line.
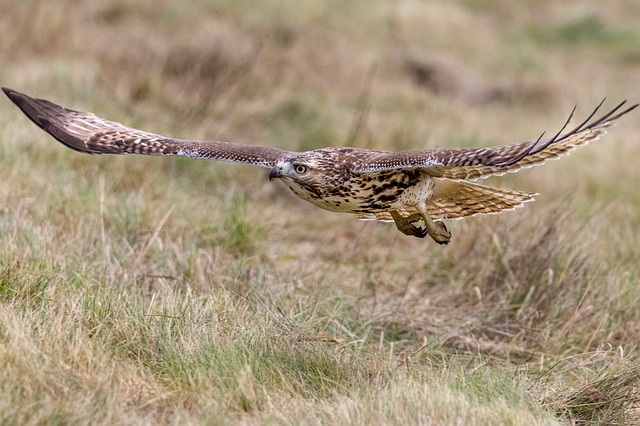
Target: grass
<point x="167" y="291"/>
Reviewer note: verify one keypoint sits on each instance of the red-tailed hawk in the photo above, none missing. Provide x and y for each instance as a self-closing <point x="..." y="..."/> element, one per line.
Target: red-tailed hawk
<point x="415" y="189"/>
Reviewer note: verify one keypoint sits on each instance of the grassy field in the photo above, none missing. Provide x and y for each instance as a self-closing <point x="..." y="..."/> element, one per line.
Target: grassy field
<point x="138" y="290"/>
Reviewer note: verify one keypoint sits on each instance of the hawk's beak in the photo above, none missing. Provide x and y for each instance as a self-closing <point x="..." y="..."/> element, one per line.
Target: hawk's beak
<point x="274" y="173"/>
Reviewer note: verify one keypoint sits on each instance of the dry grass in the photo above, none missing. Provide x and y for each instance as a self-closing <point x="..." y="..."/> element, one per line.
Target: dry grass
<point x="146" y="290"/>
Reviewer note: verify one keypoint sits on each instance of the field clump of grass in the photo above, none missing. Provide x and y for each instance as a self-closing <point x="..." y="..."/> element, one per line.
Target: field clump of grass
<point x="141" y="290"/>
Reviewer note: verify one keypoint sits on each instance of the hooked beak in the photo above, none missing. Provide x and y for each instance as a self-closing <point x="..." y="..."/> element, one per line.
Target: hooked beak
<point x="274" y="173"/>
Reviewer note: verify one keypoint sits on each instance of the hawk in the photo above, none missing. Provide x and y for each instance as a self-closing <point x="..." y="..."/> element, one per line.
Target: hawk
<point x="414" y="189"/>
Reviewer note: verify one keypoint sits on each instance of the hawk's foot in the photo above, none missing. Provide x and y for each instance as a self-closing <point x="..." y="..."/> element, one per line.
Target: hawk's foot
<point x="436" y="229"/>
<point x="439" y="232"/>
<point x="406" y="224"/>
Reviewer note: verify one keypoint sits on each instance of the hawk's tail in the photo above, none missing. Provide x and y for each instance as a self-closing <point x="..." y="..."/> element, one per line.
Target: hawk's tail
<point x="458" y="199"/>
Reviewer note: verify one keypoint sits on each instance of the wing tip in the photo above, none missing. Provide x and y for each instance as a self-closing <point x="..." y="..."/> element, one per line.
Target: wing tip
<point x="20" y="99"/>
<point x="15" y="96"/>
<point x="7" y="91"/>
<point x="26" y="104"/>
<point x="32" y="108"/>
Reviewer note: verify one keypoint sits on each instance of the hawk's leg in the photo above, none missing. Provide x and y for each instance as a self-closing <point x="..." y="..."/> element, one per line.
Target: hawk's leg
<point x="436" y="229"/>
<point x="406" y="224"/>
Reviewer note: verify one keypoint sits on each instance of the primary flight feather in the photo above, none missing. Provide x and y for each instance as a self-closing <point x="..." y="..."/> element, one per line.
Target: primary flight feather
<point x="415" y="189"/>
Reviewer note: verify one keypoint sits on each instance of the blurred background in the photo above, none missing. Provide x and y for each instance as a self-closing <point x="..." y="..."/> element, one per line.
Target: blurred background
<point x="555" y="279"/>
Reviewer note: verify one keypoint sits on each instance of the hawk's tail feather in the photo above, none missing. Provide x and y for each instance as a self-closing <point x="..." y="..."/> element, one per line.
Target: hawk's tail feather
<point x="381" y="216"/>
<point x="458" y="199"/>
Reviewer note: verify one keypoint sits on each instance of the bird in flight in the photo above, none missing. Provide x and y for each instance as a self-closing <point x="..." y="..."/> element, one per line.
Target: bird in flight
<point x="414" y="189"/>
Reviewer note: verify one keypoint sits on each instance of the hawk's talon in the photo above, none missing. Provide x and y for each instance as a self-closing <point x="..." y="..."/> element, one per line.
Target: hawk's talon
<point x="437" y="230"/>
<point x="406" y="224"/>
<point x="441" y="234"/>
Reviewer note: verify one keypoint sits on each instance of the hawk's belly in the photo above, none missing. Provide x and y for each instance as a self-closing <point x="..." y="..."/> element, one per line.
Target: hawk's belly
<point x="371" y="192"/>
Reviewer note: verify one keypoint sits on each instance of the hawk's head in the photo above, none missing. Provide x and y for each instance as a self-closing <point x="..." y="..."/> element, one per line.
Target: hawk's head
<point x="311" y="174"/>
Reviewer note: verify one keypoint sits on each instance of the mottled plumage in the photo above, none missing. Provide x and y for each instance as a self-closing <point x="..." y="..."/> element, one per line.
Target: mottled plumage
<point x="415" y="189"/>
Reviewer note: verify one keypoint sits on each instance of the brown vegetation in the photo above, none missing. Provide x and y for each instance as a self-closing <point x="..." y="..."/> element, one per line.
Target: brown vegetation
<point x="148" y="290"/>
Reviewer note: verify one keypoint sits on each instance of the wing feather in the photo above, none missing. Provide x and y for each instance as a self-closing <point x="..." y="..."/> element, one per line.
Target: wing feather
<point x="87" y="133"/>
<point x="474" y="163"/>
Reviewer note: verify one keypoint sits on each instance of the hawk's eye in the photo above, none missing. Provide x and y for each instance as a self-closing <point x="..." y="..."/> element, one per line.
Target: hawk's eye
<point x="300" y="169"/>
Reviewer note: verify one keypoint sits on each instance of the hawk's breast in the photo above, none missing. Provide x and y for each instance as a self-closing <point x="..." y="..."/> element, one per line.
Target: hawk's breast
<point x="372" y="192"/>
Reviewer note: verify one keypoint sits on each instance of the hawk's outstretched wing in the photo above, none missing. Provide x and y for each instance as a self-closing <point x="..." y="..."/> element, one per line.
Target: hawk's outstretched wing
<point x="85" y="132"/>
<point x="88" y="133"/>
<point x="474" y="163"/>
